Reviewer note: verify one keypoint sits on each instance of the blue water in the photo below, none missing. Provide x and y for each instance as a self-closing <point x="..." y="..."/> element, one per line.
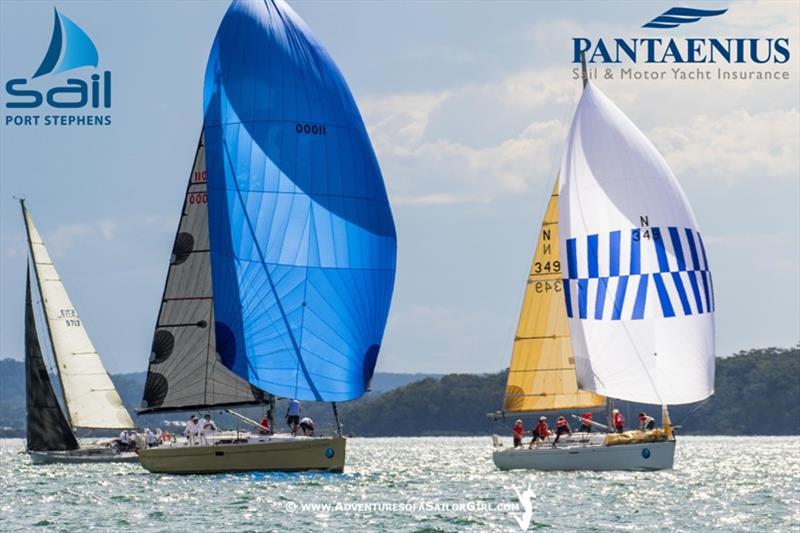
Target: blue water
<point x="420" y="484"/>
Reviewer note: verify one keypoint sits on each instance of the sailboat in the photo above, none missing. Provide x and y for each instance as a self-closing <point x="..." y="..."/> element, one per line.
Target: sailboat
<point x="283" y="265"/>
<point x="90" y="398"/>
<point x="619" y="302"/>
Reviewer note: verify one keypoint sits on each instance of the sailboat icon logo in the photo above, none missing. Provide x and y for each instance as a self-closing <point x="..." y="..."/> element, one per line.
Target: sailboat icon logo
<point x="70" y="48"/>
<point x="673" y="18"/>
<point x="526" y="501"/>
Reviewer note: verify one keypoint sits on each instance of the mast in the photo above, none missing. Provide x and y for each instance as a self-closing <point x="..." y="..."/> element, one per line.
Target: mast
<point x="583" y="69"/>
<point x="336" y="417"/>
<point x="44" y="309"/>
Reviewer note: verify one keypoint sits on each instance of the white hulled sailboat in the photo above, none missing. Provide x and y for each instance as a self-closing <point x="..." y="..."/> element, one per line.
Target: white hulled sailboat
<point x="90" y="399"/>
<point x="619" y="301"/>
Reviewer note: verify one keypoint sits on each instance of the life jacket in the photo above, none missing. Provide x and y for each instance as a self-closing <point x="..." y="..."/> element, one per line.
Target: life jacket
<point x="542" y="429"/>
<point x="518" y="431"/>
<point x="561" y="423"/>
<point x="618" y="419"/>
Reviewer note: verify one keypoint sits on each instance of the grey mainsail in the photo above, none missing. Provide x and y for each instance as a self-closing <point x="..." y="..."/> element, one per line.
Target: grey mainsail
<point x="185" y="370"/>
<point x="47" y="427"/>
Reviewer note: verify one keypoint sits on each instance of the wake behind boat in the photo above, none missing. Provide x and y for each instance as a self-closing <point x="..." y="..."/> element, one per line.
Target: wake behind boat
<point x="283" y="265"/>
<point x="632" y="316"/>
<point x="90" y="398"/>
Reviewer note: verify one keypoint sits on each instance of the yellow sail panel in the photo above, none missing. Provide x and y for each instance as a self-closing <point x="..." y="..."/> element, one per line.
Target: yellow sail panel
<point x="542" y="373"/>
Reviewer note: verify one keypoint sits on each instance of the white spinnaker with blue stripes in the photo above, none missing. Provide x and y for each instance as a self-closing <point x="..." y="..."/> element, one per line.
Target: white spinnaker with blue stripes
<point x="637" y="286"/>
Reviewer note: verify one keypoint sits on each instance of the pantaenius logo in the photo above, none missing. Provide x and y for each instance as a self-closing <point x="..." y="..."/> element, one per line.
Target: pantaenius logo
<point x="70" y="48"/>
<point x="735" y="50"/>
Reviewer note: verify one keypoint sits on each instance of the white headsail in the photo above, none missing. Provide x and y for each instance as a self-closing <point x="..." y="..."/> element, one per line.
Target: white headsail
<point x="90" y="396"/>
<point x="637" y="284"/>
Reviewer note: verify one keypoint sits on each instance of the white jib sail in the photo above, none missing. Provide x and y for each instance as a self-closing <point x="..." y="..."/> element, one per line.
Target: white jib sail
<point x="637" y="285"/>
<point x="90" y="396"/>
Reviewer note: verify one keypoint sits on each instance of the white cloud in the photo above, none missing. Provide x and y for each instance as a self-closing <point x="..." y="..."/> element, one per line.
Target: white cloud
<point x="734" y="147"/>
<point x="434" y="149"/>
<point x="66" y="236"/>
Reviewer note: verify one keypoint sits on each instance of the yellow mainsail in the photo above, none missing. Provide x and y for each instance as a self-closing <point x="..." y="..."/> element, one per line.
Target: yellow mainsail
<point x="542" y="374"/>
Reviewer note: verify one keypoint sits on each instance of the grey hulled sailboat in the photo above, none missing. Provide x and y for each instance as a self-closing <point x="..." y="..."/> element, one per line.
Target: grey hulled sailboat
<point x="90" y="399"/>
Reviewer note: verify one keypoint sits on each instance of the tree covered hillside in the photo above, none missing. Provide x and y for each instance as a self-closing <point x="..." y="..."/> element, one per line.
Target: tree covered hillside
<point x="757" y="393"/>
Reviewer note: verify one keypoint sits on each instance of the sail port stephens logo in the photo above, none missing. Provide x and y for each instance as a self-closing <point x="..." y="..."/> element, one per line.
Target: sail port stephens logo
<point x="70" y="48"/>
<point x="733" y="57"/>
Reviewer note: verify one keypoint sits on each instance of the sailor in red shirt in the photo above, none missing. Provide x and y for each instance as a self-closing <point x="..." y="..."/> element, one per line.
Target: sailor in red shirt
<point x="586" y="426"/>
<point x="541" y="431"/>
<point x="619" y="420"/>
<point x="562" y="427"/>
<point x="265" y="427"/>
<point x="518" y="432"/>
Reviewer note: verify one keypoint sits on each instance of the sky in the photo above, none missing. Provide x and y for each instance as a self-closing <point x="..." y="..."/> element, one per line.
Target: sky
<point x="467" y="105"/>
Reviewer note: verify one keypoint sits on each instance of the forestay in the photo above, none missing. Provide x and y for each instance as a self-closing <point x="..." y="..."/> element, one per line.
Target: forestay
<point x="303" y="243"/>
<point x="90" y="396"/>
<point x="638" y="289"/>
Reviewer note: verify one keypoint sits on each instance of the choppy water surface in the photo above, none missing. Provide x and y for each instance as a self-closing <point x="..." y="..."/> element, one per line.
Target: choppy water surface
<point x="424" y="484"/>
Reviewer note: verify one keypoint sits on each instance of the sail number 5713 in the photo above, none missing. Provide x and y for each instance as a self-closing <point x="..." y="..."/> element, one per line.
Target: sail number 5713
<point x="70" y="317"/>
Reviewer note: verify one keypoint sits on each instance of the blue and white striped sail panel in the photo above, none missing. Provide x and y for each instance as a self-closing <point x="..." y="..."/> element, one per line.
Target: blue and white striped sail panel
<point x="605" y="279"/>
<point x="303" y="243"/>
<point x="637" y="285"/>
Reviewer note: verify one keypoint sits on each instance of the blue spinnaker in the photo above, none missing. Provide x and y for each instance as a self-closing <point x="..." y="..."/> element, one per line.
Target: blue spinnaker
<point x="303" y="244"/>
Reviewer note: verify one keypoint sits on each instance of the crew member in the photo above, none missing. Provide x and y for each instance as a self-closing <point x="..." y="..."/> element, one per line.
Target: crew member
<point x="518" y="432"/>
<point x="307" y="426"/>
<point x="586" y="423"/>
<point x="293" y="415"/>
<point x="562" y="427"/>
<point x="265" y="427"/>
<point x="541" y="431"/>
<point x="618" y="420"/>
<point x="124" y="441"/>
<point x="646" y="423"/>
<point x="192" y="430"/>
<point x="150" y="438"/>
<point x="207" y="428"/>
